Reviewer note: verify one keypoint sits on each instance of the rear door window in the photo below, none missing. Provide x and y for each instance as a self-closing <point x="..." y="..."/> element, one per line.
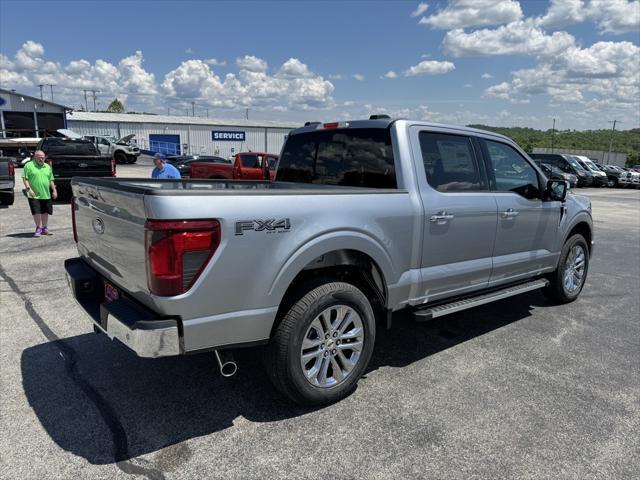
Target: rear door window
<point x="358" y="157"/>
<point x="450" y="163"/>
<point x="251" y="160"/>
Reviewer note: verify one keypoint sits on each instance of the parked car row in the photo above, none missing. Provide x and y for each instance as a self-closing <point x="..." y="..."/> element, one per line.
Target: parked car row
<point x="581" y="171"/>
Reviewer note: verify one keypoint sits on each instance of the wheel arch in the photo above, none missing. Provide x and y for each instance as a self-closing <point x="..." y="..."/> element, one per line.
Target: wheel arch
<point x="356" y="260"/>
<point x="583" y="228"/>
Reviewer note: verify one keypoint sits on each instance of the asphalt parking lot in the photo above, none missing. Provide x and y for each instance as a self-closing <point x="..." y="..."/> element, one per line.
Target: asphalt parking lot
<point x="516" y="389"/>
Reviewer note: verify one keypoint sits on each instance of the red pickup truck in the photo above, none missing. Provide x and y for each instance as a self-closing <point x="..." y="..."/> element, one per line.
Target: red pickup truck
<point x="246" y="166"/>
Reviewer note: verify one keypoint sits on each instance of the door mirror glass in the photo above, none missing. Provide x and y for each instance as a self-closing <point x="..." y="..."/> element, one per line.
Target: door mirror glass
<point x="556" y="190"/>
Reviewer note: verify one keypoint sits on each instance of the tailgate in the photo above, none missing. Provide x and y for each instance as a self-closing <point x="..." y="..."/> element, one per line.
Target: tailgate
<point x="110" y="229"/>
<point x="82" y="166"/>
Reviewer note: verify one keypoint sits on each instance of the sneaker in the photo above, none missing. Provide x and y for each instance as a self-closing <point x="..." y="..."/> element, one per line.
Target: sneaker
<point x="38" y="232"/>
<point x="45" y="231"/>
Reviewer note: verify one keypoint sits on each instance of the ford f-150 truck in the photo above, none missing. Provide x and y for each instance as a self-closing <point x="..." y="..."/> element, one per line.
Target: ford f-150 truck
<point x="75" y="157"/>
<point x="246" y="166"/>
<point x="365" y="218"/>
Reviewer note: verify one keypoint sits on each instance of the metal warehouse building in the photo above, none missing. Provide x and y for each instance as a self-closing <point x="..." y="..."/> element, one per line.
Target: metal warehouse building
<point x="181" y="135"/>
<point x="25" y="116"/>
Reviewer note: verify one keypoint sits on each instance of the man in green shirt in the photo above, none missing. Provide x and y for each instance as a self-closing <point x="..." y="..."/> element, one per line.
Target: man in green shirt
<point x="38" y="179"/>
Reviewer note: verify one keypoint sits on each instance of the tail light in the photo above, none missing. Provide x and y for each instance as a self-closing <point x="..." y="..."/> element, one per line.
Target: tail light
<point x="12" y="169"/>
<point x="113" y="167"/>
<point x="74" y="207"/>
<point x="177" y="252"/>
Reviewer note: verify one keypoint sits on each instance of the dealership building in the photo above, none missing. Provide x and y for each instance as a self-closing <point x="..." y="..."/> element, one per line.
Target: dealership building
<point x="26" y="116"/>
<point x="174" y="135"/>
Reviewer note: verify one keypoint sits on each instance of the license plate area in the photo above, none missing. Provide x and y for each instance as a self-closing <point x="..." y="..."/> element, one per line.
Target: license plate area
<point x="111" y="293"/>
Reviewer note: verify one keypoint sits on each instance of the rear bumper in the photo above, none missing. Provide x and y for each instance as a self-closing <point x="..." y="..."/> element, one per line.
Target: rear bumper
<point x="140" y="329"/>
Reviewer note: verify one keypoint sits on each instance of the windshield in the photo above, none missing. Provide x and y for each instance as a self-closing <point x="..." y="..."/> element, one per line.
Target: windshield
<point x="575" y="163"/>
<point x="358" y="157"/>
<point x="591" y="165"/>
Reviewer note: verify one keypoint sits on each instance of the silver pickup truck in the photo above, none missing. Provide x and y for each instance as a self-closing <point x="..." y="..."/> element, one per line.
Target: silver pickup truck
<point x="365" y="218"/>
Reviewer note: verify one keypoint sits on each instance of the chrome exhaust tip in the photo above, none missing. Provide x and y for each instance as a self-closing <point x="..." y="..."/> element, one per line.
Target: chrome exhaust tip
<point x="226" y="362"/>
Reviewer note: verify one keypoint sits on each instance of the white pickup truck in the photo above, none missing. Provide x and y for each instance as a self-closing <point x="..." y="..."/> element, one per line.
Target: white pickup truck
<point x="364" y="218"/>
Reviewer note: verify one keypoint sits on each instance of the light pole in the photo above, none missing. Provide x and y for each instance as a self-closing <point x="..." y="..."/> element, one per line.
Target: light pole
<point x="553" y="131"/>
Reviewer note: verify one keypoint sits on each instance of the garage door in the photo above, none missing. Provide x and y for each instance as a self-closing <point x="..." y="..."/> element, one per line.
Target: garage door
<point x="167" y="144"/>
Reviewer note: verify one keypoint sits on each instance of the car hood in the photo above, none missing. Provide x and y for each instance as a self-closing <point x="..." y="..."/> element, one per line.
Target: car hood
<point x="126" y="139"/>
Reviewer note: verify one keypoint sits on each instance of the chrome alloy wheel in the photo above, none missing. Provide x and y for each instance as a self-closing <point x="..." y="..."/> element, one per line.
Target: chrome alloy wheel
<point x="332" y="346"/>
<point x="574" y="269"/>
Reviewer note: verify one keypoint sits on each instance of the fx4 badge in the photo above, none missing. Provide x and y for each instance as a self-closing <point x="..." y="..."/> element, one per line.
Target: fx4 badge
<point x="270" y="225"/>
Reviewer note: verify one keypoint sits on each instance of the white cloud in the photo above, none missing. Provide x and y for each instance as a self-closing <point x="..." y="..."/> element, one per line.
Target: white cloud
<point x="358" y="77"/>
<point x="189" y="51"/>
<point x="429" y="67"/>
<point x="294" y="68"/>
<point x="348" y="103"/>
<point x="611" y="16"/>
<point x="467" y="85"/>
<point x="474" y="13"/>
<point x="294" y="86"/>
<point x="422" y="7"/>
<point x="391" y="74"/>
<point x="336" y="76"/>
<point x="251" y="63"/>
<point x="604" y="72"/>
<point x="212" y="62"/>
<point x="520" y="37"/>
<point x="486" y="75"/>
<point x="127" y="78"/>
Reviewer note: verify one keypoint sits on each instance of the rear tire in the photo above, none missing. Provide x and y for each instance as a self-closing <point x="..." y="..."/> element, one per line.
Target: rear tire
<point x="323" y="344"/>
<point x="7" y="198"/>
<point x="566" y="283"/>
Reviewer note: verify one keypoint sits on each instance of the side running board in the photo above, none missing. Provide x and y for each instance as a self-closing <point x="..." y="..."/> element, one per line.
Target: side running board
<point x="427" y="313"/>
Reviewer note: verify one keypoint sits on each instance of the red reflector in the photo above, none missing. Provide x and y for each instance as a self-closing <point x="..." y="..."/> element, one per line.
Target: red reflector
<point x="113" y="167"/>
<point x="331" y="125"/>
<point x="177" y="252"/>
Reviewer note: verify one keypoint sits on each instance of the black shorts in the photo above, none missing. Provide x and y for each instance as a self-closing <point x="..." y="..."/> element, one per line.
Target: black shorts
<point x="40" y="206"/>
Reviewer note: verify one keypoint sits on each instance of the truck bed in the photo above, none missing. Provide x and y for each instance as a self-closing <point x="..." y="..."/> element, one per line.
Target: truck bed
<point x="191" y="187"/>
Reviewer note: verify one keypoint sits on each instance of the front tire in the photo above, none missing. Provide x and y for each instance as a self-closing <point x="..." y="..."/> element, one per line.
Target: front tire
<point x="566" y="283"/>
<point x="120" y="157"/>
<point x="323" y="344"/>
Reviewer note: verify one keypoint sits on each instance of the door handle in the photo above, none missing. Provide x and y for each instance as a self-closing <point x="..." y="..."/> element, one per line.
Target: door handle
<point x="441" y="218"/>
<point x="510" y="213"/>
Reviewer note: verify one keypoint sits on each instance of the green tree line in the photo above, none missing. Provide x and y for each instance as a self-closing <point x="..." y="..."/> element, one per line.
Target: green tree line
<point x="529" y="138"/>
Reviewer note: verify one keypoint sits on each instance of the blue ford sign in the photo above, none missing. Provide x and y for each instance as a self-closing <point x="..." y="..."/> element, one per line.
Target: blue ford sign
<point x="227" y="136"/>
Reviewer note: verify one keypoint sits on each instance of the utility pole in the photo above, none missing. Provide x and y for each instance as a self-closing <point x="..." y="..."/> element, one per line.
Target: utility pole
<point x="51" y="87"/>
<point x="86" y="104"/>
<point x="207" y="113"/>
<point x="94" y="98"/>
<point x="613" y="129"/>
<point x="553" y="131"/>
<point x="41" y="97"/>
<point x="193" y="109"/>
<point x="168" y="111"/>
<point x="247" y="113"/>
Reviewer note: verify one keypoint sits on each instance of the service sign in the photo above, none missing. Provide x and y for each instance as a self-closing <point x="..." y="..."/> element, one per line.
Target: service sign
<point x="227" y="136"/>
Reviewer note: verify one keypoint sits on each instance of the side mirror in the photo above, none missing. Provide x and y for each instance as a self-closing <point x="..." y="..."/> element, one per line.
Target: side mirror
<point x="556" y="190"/>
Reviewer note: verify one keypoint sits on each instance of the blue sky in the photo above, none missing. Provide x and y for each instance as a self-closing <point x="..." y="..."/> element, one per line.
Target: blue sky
<point x="541" y="60"/>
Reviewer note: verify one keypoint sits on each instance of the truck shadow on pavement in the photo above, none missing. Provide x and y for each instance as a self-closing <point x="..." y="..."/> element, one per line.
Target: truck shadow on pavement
<point x="98" y="400"/>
